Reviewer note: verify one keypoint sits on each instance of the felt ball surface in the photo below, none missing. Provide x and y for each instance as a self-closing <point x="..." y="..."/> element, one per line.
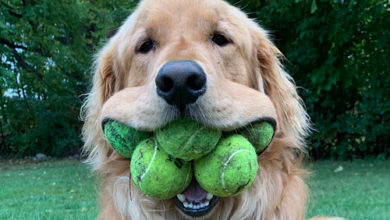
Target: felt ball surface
<point x="158" y="174"/>
<point x="230" y="169"/>
<point x="259" y="134"/>
<point x="123" y="138"/>
<point x="186" y="139"/>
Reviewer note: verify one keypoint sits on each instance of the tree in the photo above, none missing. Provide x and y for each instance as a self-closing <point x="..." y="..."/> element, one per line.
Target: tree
<point x="338" y="53"/>
<point x="47" y="50"/>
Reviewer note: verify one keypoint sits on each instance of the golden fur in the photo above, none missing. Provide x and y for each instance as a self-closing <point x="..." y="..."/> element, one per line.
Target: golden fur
<point x="245" y="82"/>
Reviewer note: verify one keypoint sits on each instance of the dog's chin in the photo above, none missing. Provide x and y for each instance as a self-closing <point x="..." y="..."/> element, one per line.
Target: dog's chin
<point x="195" y="201"/>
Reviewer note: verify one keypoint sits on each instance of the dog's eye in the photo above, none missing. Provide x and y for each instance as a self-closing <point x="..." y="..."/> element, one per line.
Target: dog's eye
<point x="146" y="46"/>
<point x="220" y="40"/>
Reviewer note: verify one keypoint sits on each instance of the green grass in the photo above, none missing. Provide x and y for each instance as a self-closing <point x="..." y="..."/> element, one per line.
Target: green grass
<point x="50" y="190"/>
<point x="64" y="189"/>
<point x="360" y="191"/>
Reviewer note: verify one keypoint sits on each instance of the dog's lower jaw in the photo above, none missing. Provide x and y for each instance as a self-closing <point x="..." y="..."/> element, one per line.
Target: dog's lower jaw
<point x="200" y="212"/>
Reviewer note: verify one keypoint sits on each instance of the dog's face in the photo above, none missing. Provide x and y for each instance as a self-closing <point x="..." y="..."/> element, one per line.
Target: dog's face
<point x="203" y="59"/>
<point x="172" y="58"/>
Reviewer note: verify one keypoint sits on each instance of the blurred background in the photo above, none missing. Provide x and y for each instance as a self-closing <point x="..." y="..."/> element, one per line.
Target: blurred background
<point x="336" y="50"/>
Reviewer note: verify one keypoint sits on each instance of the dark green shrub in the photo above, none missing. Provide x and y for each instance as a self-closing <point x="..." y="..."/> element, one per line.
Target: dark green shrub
<point x="338" y="53"/>
<point x="46" y="52"/>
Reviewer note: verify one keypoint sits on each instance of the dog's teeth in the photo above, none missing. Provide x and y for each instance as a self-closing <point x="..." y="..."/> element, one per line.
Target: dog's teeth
<point x="202" y="205"/>
<point x="186" y="204"/>
<point x="190" y="206"/>
<point x="181" y="197"/>
<point x="209" y="196"/>
<point x="206" y="203"/>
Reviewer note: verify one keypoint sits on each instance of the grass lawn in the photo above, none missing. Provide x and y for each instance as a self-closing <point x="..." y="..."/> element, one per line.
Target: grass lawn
<point x="357" y="190"/>
<point x="64" y="189"/>
<point x="50" y="190"/>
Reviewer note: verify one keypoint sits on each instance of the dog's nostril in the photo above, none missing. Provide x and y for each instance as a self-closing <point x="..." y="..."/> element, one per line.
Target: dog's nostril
<point x="166" y="84"/>
<point x="196" y="82"/>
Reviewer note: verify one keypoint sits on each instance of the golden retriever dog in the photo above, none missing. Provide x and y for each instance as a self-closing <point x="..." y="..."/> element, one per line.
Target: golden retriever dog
<point x="207" y="60"/>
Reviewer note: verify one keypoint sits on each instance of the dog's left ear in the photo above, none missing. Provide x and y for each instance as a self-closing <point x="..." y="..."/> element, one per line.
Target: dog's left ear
<point x="279" y="86"/>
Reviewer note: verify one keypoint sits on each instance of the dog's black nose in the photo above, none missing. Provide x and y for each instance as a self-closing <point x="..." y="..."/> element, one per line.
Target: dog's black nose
<point x="181" y="82"/>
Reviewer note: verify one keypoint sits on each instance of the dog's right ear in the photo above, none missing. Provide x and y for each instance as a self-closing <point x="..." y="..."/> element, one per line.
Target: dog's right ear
<point x="108" y="71"/>
<point x="104" y="83"/>
<point x="105" y="78"/>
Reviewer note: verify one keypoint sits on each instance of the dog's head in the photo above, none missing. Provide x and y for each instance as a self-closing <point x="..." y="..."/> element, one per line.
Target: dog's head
<point x="204" y="59"/>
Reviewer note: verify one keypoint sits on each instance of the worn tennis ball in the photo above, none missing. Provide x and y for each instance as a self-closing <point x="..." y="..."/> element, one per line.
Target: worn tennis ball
<point x="158" y="174"/>
<point x="259" y="134"/>
<point x="186" y="139"/>
<point x="230" y="169"/>
<point x="122" y="137"/>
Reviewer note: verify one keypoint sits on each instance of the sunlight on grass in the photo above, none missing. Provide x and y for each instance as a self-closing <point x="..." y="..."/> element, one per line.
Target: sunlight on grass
<point x="65" y="189"/>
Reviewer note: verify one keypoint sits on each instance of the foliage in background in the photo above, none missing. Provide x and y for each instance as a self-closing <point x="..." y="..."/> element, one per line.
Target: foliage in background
<point x="338" y="53"/>
<point x="46" y="52"/>
<point x="336" y="50"/>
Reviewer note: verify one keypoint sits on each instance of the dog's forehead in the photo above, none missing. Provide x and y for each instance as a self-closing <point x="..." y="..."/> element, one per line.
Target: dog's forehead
<point x="154" y="14"/>
<point x="183" y="6"/>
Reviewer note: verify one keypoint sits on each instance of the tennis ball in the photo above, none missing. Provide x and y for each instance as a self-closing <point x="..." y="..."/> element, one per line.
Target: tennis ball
<point x="230" y="169"/>
<point x="259" y="134"/>
<point x="122" y="137"/>
<point x="158" y="174"/>
<point x="186" y="139"/>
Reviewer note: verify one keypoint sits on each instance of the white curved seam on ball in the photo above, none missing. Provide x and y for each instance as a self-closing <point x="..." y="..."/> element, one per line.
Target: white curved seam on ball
<point x="193" y="135"/>
<point x="151" y="161"/>
<point x="187" y="176"/>
<point x="225" y="165"/>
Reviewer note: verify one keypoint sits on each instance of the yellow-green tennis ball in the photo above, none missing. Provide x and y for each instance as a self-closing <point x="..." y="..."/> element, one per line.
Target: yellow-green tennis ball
<point x="158" y="174"/>
<point x="186" y="139"/>
<point x="260" y="134"/>
<point x="230" y="169"/>
<point x="123" y="138"/>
